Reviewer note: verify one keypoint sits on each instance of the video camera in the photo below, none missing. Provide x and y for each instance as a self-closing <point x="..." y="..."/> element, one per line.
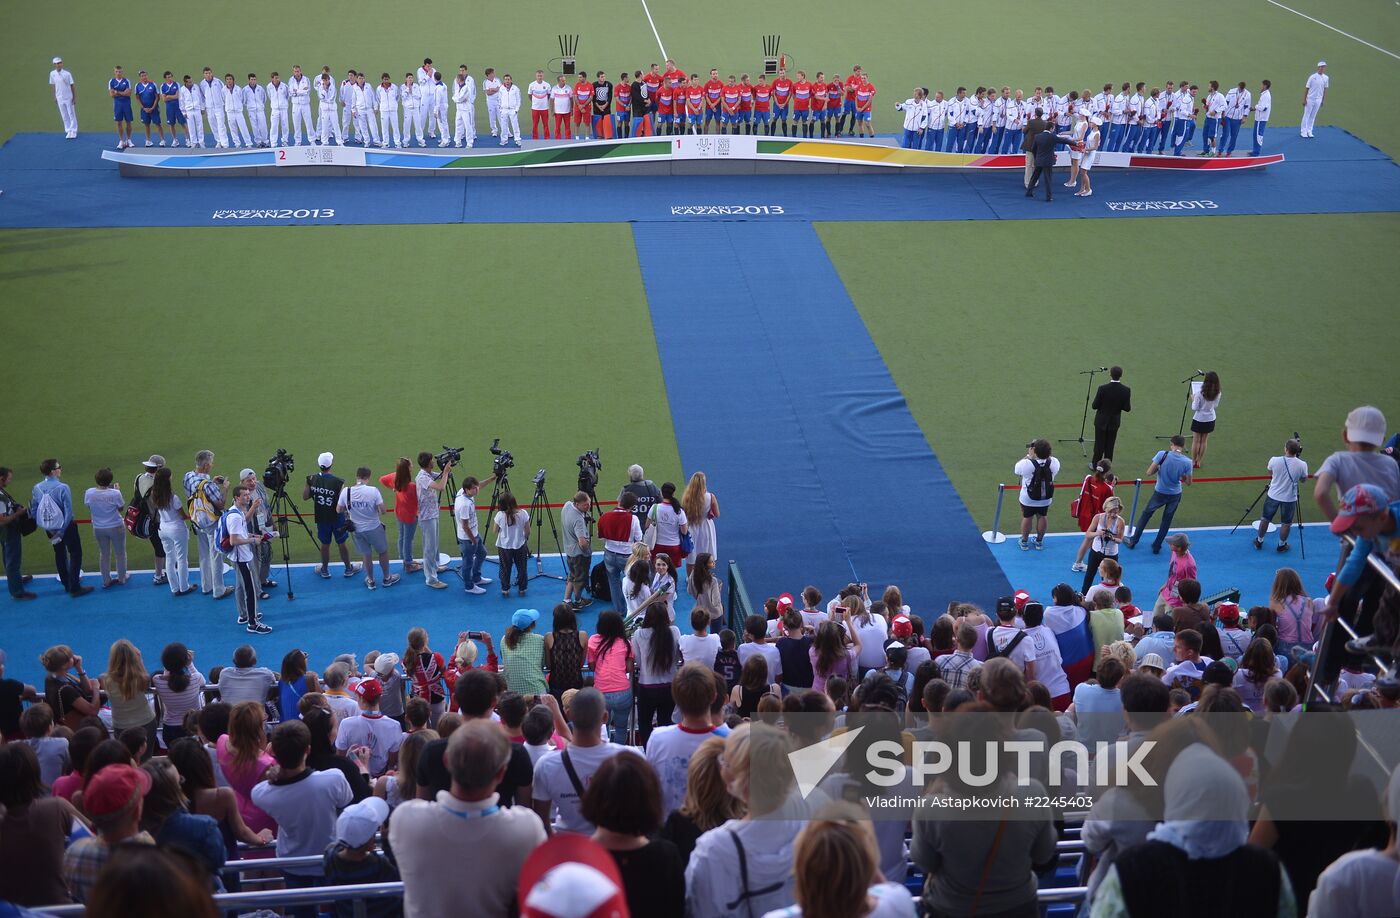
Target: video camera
<point x="448" y="454"/>
<point x="1299" y="439"/>
<point x="503" y="461"/>
<point x="279" y="470"/>
<point x="539" y="479"/>
<point x="589" y="465"/>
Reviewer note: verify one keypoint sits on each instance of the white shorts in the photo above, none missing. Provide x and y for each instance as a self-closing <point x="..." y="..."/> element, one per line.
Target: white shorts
<point x="1074" y="155"/>
<point x="1087" y="162"/>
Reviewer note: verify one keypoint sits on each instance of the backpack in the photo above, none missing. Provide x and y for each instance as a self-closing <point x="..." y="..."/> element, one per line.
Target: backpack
<point x="201" y="508"/>
<point x="1006" y="651"/>
<point x="49" y="515"/>
<point x="1042" y="486"/>
<point x="598" y="582"/>
<point x="221" y="533"/>
<point x="901" y="685"/>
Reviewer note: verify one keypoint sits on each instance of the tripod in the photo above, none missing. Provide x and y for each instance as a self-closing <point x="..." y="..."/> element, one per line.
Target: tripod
<point x="1181" y="428"/>
<point x="283" y="509"/>
<point x="1084" y="421"/>
<point x="539" y="513"/>
<point x="502" y="486"/>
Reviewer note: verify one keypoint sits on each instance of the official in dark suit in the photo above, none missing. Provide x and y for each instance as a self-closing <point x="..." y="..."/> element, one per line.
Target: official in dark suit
<point x="1112" y="399"/>
<point x="1043" y="150"/>
<point x="1033" y="127"/>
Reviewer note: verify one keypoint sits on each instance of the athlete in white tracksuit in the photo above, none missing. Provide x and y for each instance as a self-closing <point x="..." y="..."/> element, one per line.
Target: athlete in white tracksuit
<point x="326" y="95"/>
<point x="438" y="113"/>
<point x="299" y="92"/>
<point x="279" y="96"/>
<point x="509" y="111"/>
<point x="424" y="76"/>
<point x="347" y="106"/>
<point x="211" y="94"/>
<point x="464" y="96"/>
<point x="238" y="133"/>
<point x="1313" y="94"/>
<point x="491" y="88"/>
<point x="192" y="107"/>
<point x="255" y="99"/>
<point x="386" y="99"/>
<point x="365" y="128"/>
<point x="412" y="95"/>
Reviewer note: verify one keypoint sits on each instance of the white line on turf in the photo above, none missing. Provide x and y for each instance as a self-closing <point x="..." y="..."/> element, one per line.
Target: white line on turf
<point x="1335" y="29"/>
<point x="647" y="10"/>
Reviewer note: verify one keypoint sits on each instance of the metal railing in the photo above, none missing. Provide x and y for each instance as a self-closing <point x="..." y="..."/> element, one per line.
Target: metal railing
<point x="276" y="898"/>
<point x="740" y="607"/>
<point x="1376" y="564"/>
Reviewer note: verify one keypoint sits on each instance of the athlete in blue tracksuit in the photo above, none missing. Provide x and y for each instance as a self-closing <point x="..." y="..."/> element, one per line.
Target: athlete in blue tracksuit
<point x="119" y="88"/>
<point x="170" y="94"/>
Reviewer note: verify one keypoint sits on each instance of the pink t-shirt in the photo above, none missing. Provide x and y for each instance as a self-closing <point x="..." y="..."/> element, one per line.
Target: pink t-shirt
<point x="844" y="667"/>
<point x="67" y="786"/>
<point x="405" y="501"/>
<point x="242" y="778"/>
<point x="1183" y="567"/>
<point x="610" y="669"/>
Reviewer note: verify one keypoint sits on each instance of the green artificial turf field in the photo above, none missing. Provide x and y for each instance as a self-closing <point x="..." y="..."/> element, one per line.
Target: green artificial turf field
<point x="370" y="342"/>
<point x="989" y="359"/>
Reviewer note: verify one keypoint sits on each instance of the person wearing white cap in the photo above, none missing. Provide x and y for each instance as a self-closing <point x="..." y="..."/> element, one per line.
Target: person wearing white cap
<point x="351" y="858"/>
<point x="1361" y="462"/>
<point x="1313" y="93"/>
<point x="141" y="489"/>
<point x="62" y="82"/>
<point x="323" y="490"/>
<point x="259" y="521"/>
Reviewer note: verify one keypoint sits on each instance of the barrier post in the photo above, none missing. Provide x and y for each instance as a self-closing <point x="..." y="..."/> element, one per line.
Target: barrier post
<point x="1137" y="491"/>
<point x="994" y="535"/>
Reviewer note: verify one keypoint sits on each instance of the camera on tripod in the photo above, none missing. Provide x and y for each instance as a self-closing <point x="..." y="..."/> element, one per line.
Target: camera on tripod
<point x="503" y="461"/>
<point x="589" y="465"/>
<point x="279" y="470"/>
<point x="448" y="454"/>
<point x="539" y="479"/>
<point x="1298" y="439"/>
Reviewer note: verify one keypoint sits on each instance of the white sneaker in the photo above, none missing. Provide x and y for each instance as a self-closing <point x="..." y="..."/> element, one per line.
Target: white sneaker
<point x="149" y="144"/>
<point x="162" y="142"/>
<point x="475" y="591"/>
<point x="1079" y="567"/>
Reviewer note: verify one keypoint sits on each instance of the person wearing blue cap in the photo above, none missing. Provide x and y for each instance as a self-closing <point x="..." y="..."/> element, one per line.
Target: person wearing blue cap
<point x="522" y="654"/>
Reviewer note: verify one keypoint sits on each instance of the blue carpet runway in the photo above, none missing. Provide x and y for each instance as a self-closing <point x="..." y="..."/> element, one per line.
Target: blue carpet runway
<point x="50" y="182"/>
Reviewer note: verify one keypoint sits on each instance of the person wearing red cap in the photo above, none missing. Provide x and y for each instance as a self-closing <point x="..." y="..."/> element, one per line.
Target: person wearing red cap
<point x="1367" y="514"/>
<point x="571" y="876"/>
<point x="1234" y="639"/>
<point x="371" y="728"/>
<point x="112" y="800"/>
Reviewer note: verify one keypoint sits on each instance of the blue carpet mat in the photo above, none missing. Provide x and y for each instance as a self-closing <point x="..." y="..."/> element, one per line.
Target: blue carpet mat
<point x="50" y="182"/>
<point x="327" y="617"/>
<point x="1222" y="560"/>
<point x="795" y="401"/>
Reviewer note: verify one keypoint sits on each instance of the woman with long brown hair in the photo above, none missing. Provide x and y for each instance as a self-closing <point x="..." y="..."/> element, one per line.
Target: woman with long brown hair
<point x="1294" y="614"/>
<point x="244" y="759"/>
<point x="1203" y="404"/>
<point x="174" y="534"/>
<point x="512" y="537"/>
<point x="126" y="683"/>
<point x="400" y="481"/>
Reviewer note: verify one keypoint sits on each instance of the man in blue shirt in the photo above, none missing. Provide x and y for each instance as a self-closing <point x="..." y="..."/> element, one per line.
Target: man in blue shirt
<point x="1173" y="471"/>
<point x="148" y="97"/>
<point x="170" y="92"/>
<point x="67" y="547"/>
<point x="119" y="88"/>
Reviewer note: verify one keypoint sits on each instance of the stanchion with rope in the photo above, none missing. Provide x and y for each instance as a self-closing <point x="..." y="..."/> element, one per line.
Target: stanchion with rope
<point x="1137" y="492"/>
<point x="994" y="535"/>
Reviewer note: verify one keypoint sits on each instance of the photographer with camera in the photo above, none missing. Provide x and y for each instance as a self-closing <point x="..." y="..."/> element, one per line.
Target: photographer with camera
<point x="644" y="489"/>
<point x="469" y="534"/>
<point x="259" y="521"/>
<point x="363" y="502"/>
<point x="430" y="486"/>
<point x="1288" y="472"/>
<point x="620" y="529"/>
<point x="578" y="549"/>
<point x="324" y="490"/>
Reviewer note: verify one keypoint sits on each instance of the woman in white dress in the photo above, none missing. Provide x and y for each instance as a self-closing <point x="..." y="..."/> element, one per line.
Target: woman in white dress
<point x="701" y="509"/>
<point x="1203" y="404"/>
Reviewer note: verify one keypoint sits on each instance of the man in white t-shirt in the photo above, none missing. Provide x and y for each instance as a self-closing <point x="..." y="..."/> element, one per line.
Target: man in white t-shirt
<point x="363" y="503"/>
<point x="756" y="644"/>
<point x="561" y="96"/>
<point x="1038" y="470"/>
<point x="1006" y="640"/>
<point x="538" y="91"/>
<point x="562" y="776"/>
<point x="1288" y="473"/>
<point x="62" y="82"/>
<point x="304" y="802"/>
<point x="381" y="735"/>
<point x="430" y="488"/>
<point x="469" y="539"/>
<point x="246" y="588"/>
<point x="670" y="747"/>
<point x="1313" y="94"/>
<point x="491" y="88"/>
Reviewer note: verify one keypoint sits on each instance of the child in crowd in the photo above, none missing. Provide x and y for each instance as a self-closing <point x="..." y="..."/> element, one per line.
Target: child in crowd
<point x="417" y="712"/>
<point x="812" y="612"/>
<point x="352" y="860"/>
<point x="727" y="660"/>
<point x="700" y="646"/>
<point x="36" y="723"/>
<point x="538" y="732"/>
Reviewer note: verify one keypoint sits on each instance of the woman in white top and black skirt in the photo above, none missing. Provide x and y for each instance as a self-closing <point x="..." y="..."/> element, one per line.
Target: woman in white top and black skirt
<point x="512" y="534"/>
<point x="1203" y="403"/>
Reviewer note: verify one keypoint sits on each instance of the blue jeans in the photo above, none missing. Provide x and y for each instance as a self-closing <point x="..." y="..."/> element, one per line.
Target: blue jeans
<point x="473" y="553"/>
<point x="1167" y="503"/>
<point x="406" y="533"/>
<point x="68" y="558"/>
<point x="13" y="547"/>
<point x="615" y="564"/>
<point x="619" y="705"/>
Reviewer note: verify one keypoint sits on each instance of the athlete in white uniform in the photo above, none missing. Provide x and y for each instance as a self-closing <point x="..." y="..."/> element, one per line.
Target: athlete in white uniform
<point x="1263" y="107"/>
<point x="238" y="133"/>
<point x="439" y="110"/>
<point x="411" y="94"/>
<point x="279" y="98"/>
<point x="255" y="99"/>
<point x="386" y="99"/>
<point x="299" y="90"/>
<point x="509" y="110"/>
<point x="326" y="95"/>
<point x="491" y="88"/>
<point x="62" y="82"/>
<point x="1313" y="94"/>
<point x="365" y="127"/>
<point x="425" y="80"/>
<point x="464" y="121"/>
<point x="347" y="106"/>
<point x="211" y="99"/>
<point x="192" y="107"/>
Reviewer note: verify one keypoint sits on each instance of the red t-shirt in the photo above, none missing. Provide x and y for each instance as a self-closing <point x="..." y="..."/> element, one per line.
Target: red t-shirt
<point x="745" y="97"/>
<point x="802" y="96"/>
<point x="864" y="93"/>
<point x="405" y="502"/>
<point x="713" y="90"/>
<point x="664" y="97"/>
<point x="583" y="91"/>
<point x="694" y="99"/>
<point x="782" y="88"/>
<point x="833" y="95"/>
<point x="762" y="97"/>
<point x="731" y="98"/>
<point x="623" y="94"/>
<point x="653" y="80"/>
<point x="852" y="82"/>
<point x="674" y="78"/>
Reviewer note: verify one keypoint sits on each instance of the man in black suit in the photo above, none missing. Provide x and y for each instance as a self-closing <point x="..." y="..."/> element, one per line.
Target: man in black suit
<point x="1043" y="151"/>
<point x="1112" y="399"/>
<point x="1033" y="127"/>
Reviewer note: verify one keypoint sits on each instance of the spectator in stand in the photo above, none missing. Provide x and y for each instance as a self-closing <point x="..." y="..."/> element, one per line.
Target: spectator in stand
<point x="1182" y="566"/>
<point x="753" y="686"/>
<point x="126" y="684"/>
<point x="831" y="656"/>
<point x="371" y="729"/>
<point x="244" y="760"/>
<point x="80" y="748"/>
<point x="112" y="800"/>
<point x="159" y="882"/>
<point x="107" y="507"/>
<point x="33" y="831"/>
<point x="1159" y="640"/>
<point x="166" y="818"/>
<point x="564" y="650"/>
<point x="623" y="801"/>
<point x="1038" y="470"/>
<point x="957" y="667"/>
<point x="295" y="682"/>
<point x="179" y="689"/>
<point x="1203" y="404"/>
<point x="1188" y="671"/>
<point x="1093" y="502"/>
<point x="325" y="728"/>
<point x="1362" y="462"/>
<point x="561" y="775"/>
<point x="196" y="773"/>
<point x="245" y="680"/>
<point x="1190" y="612"/>
<point x="1288" y="472"/>
<point x="1008" y="640"/>
<point x="671" y="746"/>
<point x="701" y="645"/>
<point x="428" y="838"/>
<point x="393" y="684"/>
<point x="1068" y="620"/>
<point x="1295" y="614"/>
<point x="341" y="702"/>
<point x="703" y="586"/>
<point x="1190" y="849"/>
<point x="610" y="655"/>
<point x="656" y="648"/>
<point x="13" y="694"/>
<point x="701" y="510"/>
<point x="836" y="865"/>
<point x="1098" y="705"/>
<point x="1049" y="661"/>
<point x="1363" y="882"/>
<point x="212" y="724"/>
<point x="1256" y="670"/>
<point x="707" y="803"/>
<point x="1173" y="471"/>
<point x="668" y="516"/>
<point x="756" y="644"/>
<point x="425" y="669"/>
<point x="464" y="660"/>
<point x="868" y="628"/>
<point x="51" y="492"/>
<point x="69" y="693"/>
<point x="522" y="654"/>
<point x="1234" y="639"/>
<point x="352" y="860"/>
<point x="1375" y="524"/>
<point x="305" y="803"/>
<point x="909" y="631"/>
<point x="620" y="529"/>
<point x="401" y="482"/>
<point x="1106" y="624"/>
<point x="402" y="784"/>
<point x="795" y="654"/>
<point x="476" y="694"/>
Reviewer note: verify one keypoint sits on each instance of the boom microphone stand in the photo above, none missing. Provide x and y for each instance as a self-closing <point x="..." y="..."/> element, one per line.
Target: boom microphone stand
<point x="1084" y="421"/>
<point x="1181" y="428"/>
